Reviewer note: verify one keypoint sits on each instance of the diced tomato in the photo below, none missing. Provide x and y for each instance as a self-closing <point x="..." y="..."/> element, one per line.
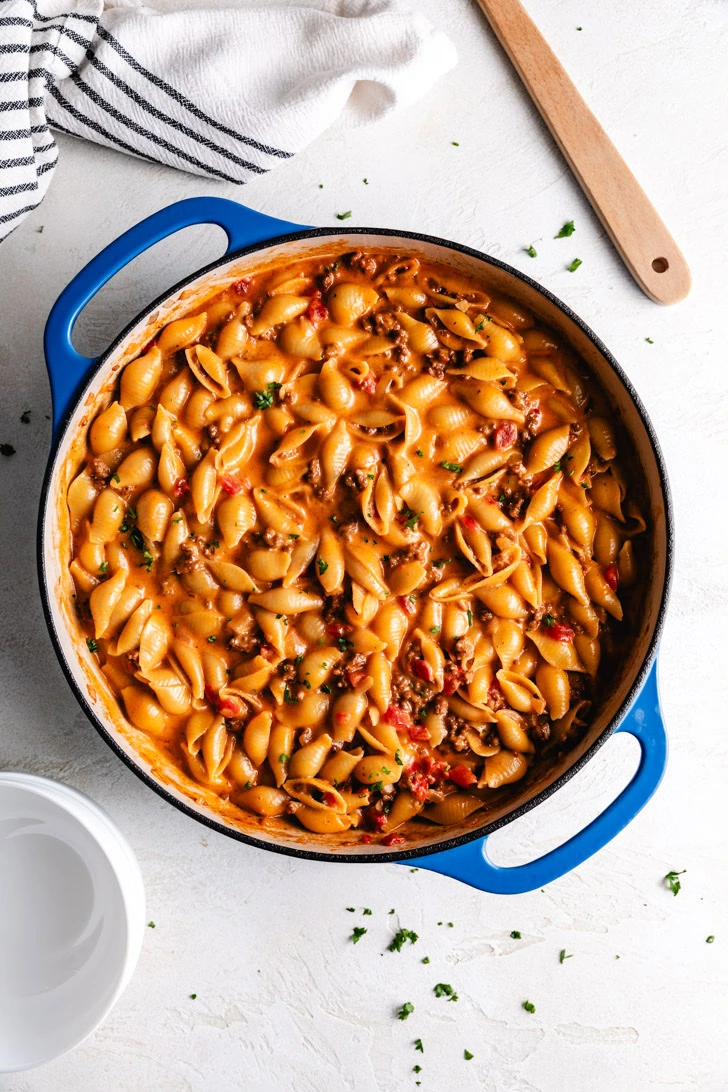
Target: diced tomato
<point x="355" y="677"/>
<point x="422" y="670"/>
<point x="338" y="629"/>
<point x="394" y="840"/>
<point x="462" y="776"/>
<point x="230" y="485"/>
<point x="267" y="651"/>
<point x="470" y="522"/>
<point x="240" y="288"/>
<point x="419" y="733"/>
<point x="367" y="383"/>
<point x="181" y="488"/>
<point x="407" y="604"/>
<point x="560" y="632"/>
<point x="148" y="346"/>
<point x="342" y="718"/>
<point x="611" y="575"/>
<point x="229" y="707"/>
<point x="399" y="718"/>
<point x="505" y="435"/>
<point x="366" y="839"/>
<point x="330" y="800"/>
<point x="316" y="310"/>
<point x="422" y="774"/>
<point x="454" y="678"/>
<point x="210" y="695"/>
<point x="419" y="786"/>
<point x="377" y="820"/>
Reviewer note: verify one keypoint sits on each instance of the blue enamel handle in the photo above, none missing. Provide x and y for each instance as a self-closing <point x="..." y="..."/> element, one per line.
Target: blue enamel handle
<point x="470" y="863"/>
<point x="68" y="369"/>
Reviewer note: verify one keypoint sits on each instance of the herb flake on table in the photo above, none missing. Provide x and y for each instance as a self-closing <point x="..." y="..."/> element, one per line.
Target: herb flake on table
<point x="468" y="1056"/>
<point x="649" y="341"/>
<point x="351" y="909"/>
<point x="426" y="959"/>
<point x="455" y="143"/>
<point x="419" y="1046"/>
<point x="7" y="450"/>
<point x="563" y="955"/>
<point x="151" y="925"/>
<point x="529" y="1006"/>
<point x="574" y="265"/>
<point x="672" y="881"/>
<point x="25" y="417"/>
<point x="416" y="1068"/>
<point x="343" y="215"/>
<point x="358" y="933"/>
<point x="531" y="251"/>
<point x="367" y="911"/>
<point x="193" y="997"/>
<point x="710" y="939"/>
<point x="400" y="938"/>
<point x="365" y="181"/>
<point x="567" y="230"/>
<point x="515" y="934"/>
<point x="444" y="989"/>
<point x="406" y="1010"/>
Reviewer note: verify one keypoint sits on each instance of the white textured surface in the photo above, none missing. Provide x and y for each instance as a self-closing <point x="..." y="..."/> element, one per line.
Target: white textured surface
<point x="284" y="1001"/>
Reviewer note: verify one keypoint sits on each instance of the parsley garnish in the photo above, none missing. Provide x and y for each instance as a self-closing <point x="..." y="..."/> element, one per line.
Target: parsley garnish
<point x="531" y="251"/>
<point x="563" y="955"/>
<point x="117" y="479"/>
<point x="137" y="539"/>
<point x="549" y="620"/>
<point x="408" y="517"/>
<point x="557" y="465"/>
<point x="567" y="230"/>
<point x="400" y="937"/>
<point x="441" y="562"/>
<point x="418" y="1044"/>
<point x="326" y="688"/>
<point x="529" y="1006"/>
<point x="211" y="640"/>
<point x="515" y="933"/>
<point x="398" y="758"/>
<point x="263" y="399"/>
<point x="419" y="452"/>
<point x="283" y="758"/>
<point x="104" y="567"/>
<point x="470" y="617"/>
<point x="467" y="1055"/>
<point x="480" y="325"/>
<point x="288" y="697"/>
<point x="443" y="989"/>
<point x="322" y="565"/>
<point x="454" y="467"/>
<point x="344" y="643"/>
<point x="574" y="265"/>
<point x="405" y="1010"/>
<point x="93" y="646"/>
<point x="672" y="881"/>
<point x="358" y="933"/>
<point x="343" y="215"/>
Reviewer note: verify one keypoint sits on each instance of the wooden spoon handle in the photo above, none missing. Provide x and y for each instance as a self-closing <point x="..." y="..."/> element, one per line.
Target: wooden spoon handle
<point x="646" y="246"/>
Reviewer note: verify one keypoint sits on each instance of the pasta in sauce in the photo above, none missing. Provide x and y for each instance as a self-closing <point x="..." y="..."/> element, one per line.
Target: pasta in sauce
<point x="350" y="543"/>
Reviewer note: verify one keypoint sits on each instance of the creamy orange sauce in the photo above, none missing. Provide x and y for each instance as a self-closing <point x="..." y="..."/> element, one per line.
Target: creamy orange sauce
<point x="352" y="543"/>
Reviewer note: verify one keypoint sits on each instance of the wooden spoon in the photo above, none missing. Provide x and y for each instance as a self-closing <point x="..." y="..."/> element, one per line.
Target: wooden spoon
<point x="646" y="246"/>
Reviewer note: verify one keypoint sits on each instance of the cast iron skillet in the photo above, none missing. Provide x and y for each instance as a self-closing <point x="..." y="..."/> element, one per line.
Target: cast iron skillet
<point x="79" y="386"/>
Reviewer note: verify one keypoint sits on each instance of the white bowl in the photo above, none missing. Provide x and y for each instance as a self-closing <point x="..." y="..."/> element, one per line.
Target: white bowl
<point x="71" y="918"/>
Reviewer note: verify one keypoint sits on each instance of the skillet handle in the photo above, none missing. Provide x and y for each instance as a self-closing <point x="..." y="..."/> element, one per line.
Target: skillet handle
<point x="471" y="864"/>
<point x="67" y="369"/>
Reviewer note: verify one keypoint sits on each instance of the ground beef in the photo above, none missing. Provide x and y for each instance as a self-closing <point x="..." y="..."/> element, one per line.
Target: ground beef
<point x="456" y="727"/>
<point x="417" y="551"/>
<point x="244" y="642"/>
<point x="579" y="685"/>
<point x="437" y="362"/>
<point x="213" y="434"/>
<point x="305" y="737"/>
<point x="332" y="609"/>
<point x="349" y="530"/>
<point x="363" y="263"/>
<point x="330" y="351"/>
<point x="538" y="613"/>
<point x="356" y="480"/>
<point x="540" y="729"/>
<point x="98" y="470"/>
<point x="482" y="613"/>
<point x="341" y="676"/>
<point x="273" y="539"/>
<point x="313" y="474"/>
<point x="327" y="279"/>
<point x="287" y="670"/>
<point x="514" y="508"/>
<point x="440" y="706"/>
<point x="522" y="400"/>
<point x="533" y="422"/>
<point x="383" y="324"/>
<point x="189" y="560"/>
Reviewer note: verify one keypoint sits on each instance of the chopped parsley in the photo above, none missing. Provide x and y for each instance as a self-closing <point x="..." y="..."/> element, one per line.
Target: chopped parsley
<point x="578" y="28"/>
<point x="672" y="881"/>
<point x="25" y="417"/>
<point x="344" y="643"/>
<point x="358" y="933"/>
<point x="454" y="467"/>
<point x="419" y="1046"/>
<point x="147" y="560"/>
<point x="531" y="251"/>
<point x="93" y="646"/>
<point x="283" y="758"/>
<point x="467" y="1056"/>
<point x="306" y="683"/>
<point x="263" y="399"/>
<point x="470" y="617"/>
<point x="326" y="688"/>
<point x="137" y="538"/>
<point x="444" y="989"/>
<point x="574" y="265"/>
<point x="441" y="561"/>
<point x="419" y="452"/>
<point x="647" y="339"/>
<point x="288" y="697"/>
<point x="549" y="620"/>
<point x="400" y="938"/>
<point x="211" y="640"/>
<point x="515" y="933"/>
<point x="406" y="1010"/>
<point x="116" y="478"/>
<point x="557" y="465"/>
<point x="563" y="955"/>
<point x="7" y="450"/>
<point x="567" y="230"/>
<point x="480" y="325"/>
<point x="529" y="1006"/>
<point x="398" y="758"/>
<point x="322" y="565"/>
<point x="434" y="629"/>
<point x="408" y="517"/>
<point x="343" y="215"/>
<point x="104" y="567"/>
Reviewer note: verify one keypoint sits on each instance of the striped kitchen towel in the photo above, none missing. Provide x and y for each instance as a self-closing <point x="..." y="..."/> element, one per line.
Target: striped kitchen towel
<point x="222" y="93"/>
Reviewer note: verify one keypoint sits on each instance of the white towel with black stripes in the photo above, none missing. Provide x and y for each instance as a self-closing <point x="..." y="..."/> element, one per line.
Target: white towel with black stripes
<point x="222" y="93"/>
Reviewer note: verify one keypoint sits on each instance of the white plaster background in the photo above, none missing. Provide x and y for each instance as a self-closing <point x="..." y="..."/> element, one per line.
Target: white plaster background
<point x="284" y="1001"/>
